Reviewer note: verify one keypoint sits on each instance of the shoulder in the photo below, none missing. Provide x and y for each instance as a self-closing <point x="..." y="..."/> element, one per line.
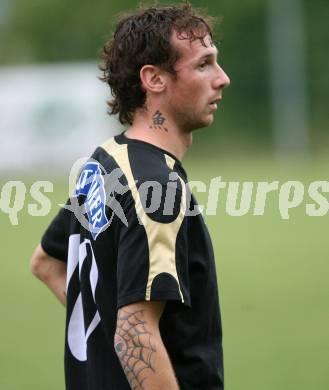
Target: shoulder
<point x="139" y="161"/>
<point x="151" y="176"/>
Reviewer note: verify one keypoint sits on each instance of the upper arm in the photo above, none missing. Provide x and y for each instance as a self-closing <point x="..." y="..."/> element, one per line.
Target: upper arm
<point x="140" y="349"/>
<point x="141" y="312"/>
<point x="55" y="240"/>
<point x="50" y="256"/>
<point x="138" y="319"/>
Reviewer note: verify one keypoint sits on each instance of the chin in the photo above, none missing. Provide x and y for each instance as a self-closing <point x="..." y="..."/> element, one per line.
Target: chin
<point x="209" y="121"/>
<point x="199" y="124"/>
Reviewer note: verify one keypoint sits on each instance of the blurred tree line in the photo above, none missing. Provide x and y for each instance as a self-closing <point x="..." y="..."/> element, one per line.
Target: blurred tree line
<point x="36" y="31"/>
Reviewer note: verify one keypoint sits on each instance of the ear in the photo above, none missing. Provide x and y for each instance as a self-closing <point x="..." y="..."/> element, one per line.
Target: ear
<point x="152" y="78"/>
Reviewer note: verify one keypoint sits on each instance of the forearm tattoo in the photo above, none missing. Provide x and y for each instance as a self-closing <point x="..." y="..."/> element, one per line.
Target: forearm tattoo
<point x="133" y="345"/>
<point x="158" y="121"/>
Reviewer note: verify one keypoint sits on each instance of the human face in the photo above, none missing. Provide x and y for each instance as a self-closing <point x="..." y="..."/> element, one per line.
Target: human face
<point x="193" y="95"/>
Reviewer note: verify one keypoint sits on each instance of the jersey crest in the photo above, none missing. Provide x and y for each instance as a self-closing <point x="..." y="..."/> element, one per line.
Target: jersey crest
<point x="91" y="185"/>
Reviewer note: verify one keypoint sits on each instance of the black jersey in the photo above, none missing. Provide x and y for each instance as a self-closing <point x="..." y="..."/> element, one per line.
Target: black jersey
<point x="130" y="233"/>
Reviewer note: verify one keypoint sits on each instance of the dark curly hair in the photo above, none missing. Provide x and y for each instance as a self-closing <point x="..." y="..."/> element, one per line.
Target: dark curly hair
<point x="144" y="38"/>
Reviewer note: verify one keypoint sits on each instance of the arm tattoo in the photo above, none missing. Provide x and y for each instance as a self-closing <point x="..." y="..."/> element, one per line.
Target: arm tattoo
<point x="158" y="121"/>
<point x="133" y="346"/>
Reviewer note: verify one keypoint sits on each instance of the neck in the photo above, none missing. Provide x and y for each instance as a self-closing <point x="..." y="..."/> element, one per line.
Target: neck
<point x="156" y="128"/>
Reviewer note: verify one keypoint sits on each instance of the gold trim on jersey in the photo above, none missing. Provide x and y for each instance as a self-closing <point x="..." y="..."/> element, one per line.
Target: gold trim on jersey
<point x="161" y="237"/>
<point x="170" y="162"/>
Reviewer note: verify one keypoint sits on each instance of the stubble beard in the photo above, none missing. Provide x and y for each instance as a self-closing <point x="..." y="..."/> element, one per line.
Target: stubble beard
<point x="192" y="121"/>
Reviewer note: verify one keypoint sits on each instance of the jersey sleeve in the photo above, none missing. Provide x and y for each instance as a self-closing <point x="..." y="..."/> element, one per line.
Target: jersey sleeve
<point x="153" y="253"/>
<point x="55" y="240"/>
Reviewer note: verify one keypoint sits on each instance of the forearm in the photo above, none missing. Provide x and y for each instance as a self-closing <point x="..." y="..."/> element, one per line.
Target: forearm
<point x="56" y="282"/>
<point x="142" y="353"/>
<point x="51" y="271"/>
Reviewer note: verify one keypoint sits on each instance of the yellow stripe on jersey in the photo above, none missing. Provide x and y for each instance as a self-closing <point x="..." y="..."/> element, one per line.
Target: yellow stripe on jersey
<point x="161" y="236"/>
<point x="170" y="162"/>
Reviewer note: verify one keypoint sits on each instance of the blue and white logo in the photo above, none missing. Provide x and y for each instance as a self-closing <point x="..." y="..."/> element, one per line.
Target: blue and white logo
<point x="91" y="184"/>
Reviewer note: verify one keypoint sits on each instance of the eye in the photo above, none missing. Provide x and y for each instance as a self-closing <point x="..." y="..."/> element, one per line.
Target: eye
<point x="203" y="65"/>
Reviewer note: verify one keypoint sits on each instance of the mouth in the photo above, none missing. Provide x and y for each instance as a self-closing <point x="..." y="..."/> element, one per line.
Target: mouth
<point x="214" y="103"/>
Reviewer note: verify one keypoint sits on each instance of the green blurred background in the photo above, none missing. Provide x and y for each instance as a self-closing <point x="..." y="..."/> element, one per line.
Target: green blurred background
<point x="273" y="273"/>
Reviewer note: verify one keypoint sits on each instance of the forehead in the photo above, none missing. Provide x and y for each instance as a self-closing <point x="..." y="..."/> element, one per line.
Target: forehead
<point x="190" y="51"/>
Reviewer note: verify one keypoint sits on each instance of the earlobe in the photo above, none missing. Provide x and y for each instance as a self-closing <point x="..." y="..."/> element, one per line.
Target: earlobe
<point x="152" y="79"/>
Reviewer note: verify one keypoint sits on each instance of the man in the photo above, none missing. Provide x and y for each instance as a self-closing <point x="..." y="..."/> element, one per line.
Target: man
<point x="139" y="282"/>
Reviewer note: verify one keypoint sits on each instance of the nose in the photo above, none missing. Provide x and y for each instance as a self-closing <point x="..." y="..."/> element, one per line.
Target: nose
<point x="222" y="79"/>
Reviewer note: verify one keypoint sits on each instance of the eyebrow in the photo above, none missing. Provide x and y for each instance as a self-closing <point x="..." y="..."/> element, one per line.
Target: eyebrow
<point x="208" y="56"/>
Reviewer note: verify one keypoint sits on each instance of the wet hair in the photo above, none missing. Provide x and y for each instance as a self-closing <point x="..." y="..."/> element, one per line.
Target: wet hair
<point x="143" y="38"/>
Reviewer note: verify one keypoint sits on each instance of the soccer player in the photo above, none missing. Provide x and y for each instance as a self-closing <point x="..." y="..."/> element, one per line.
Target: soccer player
<point x="130" y="255"/>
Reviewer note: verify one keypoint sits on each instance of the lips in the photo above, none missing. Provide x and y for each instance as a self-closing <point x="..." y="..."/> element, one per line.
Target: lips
<point x="216" y="100"/>
<point x="213" y="103"/>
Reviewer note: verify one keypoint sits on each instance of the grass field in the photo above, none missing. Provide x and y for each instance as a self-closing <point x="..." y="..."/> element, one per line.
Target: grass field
<point x="273" y="277"/>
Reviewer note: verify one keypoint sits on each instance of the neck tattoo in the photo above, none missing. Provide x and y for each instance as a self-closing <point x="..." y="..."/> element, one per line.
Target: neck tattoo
<point x="158" y="121"/>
